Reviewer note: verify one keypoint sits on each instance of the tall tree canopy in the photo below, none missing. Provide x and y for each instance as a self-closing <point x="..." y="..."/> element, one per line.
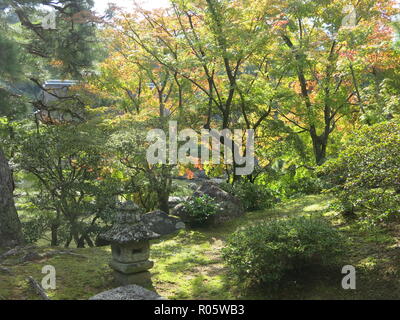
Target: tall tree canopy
<point x="27" y="47"/>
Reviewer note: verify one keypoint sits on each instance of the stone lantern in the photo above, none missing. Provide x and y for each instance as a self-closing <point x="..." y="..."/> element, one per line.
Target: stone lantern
<point x="130" y="245"/>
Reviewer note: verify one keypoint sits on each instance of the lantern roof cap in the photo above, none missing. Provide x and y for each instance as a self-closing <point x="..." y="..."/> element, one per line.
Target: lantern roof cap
<point x="129" y="227"/>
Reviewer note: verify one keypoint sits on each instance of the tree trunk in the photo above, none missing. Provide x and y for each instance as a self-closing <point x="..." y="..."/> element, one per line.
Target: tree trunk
<point x="320" y="144"/>
<point x="81" y="242"/>
<point x="163" y="198"/>
<point x="75" y="236"/>
<point x="319" y="148"/>
<point x="54" y="234"/>
<point x="68" y="242"/>
<point x="89" y="241"/>
<point x="55" y="225"/>
<point x="82" y="239"/>
<point x="10" y="226"/>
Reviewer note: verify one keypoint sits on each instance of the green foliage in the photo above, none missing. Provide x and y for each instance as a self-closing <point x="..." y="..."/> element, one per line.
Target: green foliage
<point x="270" y="250"/>
<point x="290" y="181"/>
<point x="71" y="179"/>
<point x="151" y="185"/>
<point x="253" y="196"/>
<point x="366" y="174"/>
<point x="299" y="185"/>
<point x="34" y="228"/>
<point x="200" y="210"/>
<point x="9" y="53"/>
<point x="73" y="42"/>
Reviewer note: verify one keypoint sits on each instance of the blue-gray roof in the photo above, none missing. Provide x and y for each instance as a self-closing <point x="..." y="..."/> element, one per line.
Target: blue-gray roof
<point x="59" y="83"/>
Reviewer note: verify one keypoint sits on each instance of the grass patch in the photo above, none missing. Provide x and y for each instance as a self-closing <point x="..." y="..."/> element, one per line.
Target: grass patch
<point x="189" y="265"/>
<point x="77" y="277"/>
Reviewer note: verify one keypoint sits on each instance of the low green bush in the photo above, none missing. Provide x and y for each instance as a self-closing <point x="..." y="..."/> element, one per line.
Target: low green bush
<point x="34" y="229"/>
<point x="200" y="210"/>
<point x="366" y="174"/>
<point x="269" y="251"/>
<point x="253" y="197"/>
<point x="292" y="183"/>
<point x="297" y="186"/>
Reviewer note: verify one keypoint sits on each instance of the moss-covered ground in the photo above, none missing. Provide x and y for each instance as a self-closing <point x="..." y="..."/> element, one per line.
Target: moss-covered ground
<point x="189" y="265"/>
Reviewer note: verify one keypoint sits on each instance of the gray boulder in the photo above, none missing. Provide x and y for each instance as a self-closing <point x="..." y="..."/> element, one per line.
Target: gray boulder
<point x="217" y="180"/>
<point x="161" y="223"/>
<point x="193" y="186"/>
<point x="180" y="211"/>
<point x="131" y="292"/>
<point x="174" y="201"/>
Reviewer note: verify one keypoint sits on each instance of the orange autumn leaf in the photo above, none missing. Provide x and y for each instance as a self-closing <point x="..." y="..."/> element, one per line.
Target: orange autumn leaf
<point x="189" y="174"/>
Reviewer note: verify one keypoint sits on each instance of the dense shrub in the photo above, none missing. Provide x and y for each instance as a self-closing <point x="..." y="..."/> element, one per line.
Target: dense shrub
<point x="269" y="251"/>
<point x="253" y="196"/>
<point x="366" y="174"/>
<point x="294" y="182"/>
<point x="34" y="229"/>
<point x="74" y="199"/>
<point x="200" y="210"/>
<point x="304" y="185"/>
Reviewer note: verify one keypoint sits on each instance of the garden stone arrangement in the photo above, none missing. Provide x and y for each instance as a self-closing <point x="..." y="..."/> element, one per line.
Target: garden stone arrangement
<point x="161" y="223"/>
<point x="130" y="246"/>
<point x="174" y="201"/>
<point x="130" y="242"/>
<point x="229" y="207"/>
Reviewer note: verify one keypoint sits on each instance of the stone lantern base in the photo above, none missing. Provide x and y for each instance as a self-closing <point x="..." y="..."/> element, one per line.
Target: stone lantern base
<point x="142" y="278"/>
<point x="131" y="263"/>
<point x="130" y="247"/>
<point x="134" y="267"/>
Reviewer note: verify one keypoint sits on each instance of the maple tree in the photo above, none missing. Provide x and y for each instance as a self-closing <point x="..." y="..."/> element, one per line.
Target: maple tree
<point x="234" y="64"/>
<point x="302" y="74"/>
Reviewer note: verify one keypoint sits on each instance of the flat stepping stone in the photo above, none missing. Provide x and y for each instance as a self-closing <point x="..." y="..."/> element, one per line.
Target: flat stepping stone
<point x="131" y="292"/>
